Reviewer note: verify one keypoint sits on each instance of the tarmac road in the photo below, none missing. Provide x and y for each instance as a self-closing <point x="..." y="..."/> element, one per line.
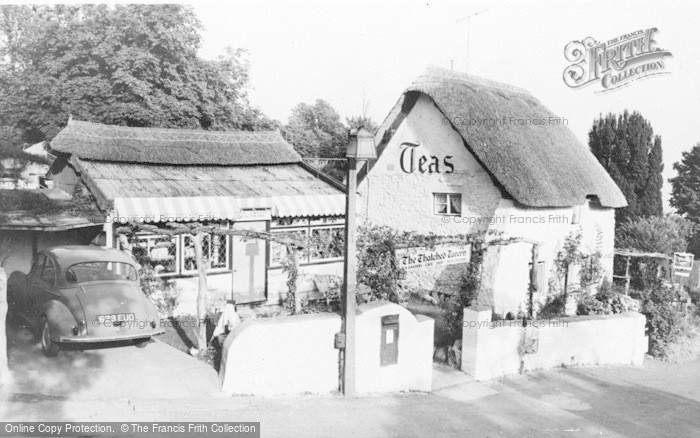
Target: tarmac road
<point x="656" y="400"/>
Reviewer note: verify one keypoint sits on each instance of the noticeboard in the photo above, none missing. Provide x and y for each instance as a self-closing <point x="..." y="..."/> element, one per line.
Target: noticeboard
<point x="682" y="264"/>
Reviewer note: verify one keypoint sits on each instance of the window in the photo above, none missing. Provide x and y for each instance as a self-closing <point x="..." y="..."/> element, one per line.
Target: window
<point x="447" y="203"/>
<point x="214" y="250"/>
<point x="48" y="274"/>
<point x="326" y="243"/>
<point x="324" y="239"/>
<point x="100" y="271"/>
<point x="161" y="252"/>
<point x="175" y="255"/>
<point x="38" y="264"/>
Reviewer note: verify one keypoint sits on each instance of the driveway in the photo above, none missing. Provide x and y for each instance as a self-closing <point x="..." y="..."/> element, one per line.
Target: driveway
<point x="110" y="371"/>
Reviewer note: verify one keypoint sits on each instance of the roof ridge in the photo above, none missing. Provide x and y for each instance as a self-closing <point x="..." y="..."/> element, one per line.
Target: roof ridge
<point x="103" y="131"/>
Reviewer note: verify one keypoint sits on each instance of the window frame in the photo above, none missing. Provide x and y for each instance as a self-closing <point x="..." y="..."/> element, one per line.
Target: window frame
<point x="43" y="268"/>
<point x="210" y="270"/>
<point x="447" y="204"/>
<point x="308" y="226"/>
<point x="179" y="256"/>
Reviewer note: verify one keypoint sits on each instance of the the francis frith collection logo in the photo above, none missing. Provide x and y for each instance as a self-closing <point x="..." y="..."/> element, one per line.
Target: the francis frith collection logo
<point x="614" y="63"/>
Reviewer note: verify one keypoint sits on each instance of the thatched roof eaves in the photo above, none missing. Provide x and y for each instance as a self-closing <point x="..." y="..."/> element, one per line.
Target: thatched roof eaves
<point x="97" y="142"/>
<point x="539" y="165"/>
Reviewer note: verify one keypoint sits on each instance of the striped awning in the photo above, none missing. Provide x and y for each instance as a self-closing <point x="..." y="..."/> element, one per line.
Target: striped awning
<point x="203" y="208"/>
<point x="311" y="205"/>
<point x="185" y="209"/>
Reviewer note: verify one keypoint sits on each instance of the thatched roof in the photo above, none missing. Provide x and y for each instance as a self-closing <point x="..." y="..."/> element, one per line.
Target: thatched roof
<point x="92" y="141"/>
<point x="539" y="165"/>
<point x="130" y="180"/>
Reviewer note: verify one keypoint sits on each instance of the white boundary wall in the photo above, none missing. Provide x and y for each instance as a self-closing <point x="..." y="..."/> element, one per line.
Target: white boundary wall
<point x="296" y="354"/>
<point x="495" y="349"/>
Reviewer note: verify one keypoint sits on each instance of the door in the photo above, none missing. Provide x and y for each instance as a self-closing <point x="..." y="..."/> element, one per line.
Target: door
<point x="42" y="280"/>
<point x="249" y="259"/>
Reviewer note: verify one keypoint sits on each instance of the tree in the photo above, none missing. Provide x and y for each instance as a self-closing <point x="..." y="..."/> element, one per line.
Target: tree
<point x="661" y="234"/>
<point x="316" y="130"/>
<point x="133" y="65"/>
<point x="685" y="191"/>
<point x="626" y="147"/>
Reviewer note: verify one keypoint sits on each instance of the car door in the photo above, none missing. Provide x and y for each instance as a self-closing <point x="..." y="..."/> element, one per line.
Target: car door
<point x="41" y="284"/>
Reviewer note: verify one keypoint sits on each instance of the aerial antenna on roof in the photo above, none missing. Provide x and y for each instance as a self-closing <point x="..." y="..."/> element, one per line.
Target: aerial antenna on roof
<point x="469" y="18"/>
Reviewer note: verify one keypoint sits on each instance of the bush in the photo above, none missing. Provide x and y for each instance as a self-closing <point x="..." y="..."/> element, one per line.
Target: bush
<point x="553" y="307"/>
<point x="665" y="323"/>
<point x="165" y="295"/>
<point x="608" y="300"/>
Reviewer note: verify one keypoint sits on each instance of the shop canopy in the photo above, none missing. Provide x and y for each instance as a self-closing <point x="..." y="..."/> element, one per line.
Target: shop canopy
<point x="168" y="209"/>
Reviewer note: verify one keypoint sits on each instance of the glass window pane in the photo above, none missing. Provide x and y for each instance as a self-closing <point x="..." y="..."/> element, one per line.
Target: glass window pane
<point x="455" y="204"/>
<point x="49" y="272"/>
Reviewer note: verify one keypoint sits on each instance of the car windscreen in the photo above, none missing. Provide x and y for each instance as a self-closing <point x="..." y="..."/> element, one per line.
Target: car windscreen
<point x="100" y="271"/>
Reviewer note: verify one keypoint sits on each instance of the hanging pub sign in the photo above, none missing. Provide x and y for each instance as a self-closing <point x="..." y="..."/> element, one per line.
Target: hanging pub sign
<point x="682" y="264"/>
<point x="417" y="258"/>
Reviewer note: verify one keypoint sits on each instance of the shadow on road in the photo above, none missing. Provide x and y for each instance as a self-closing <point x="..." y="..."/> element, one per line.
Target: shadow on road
<point x="36" y="378"/>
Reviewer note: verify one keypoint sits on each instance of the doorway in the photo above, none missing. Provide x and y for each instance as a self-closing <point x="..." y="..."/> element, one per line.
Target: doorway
<point x="249" y="256"/>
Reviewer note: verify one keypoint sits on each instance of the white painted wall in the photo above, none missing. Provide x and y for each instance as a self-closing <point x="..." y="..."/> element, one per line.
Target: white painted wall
<point x="493" y="351"/>
<point x="296" y="354"/>
<point x="389" y="196"/>
<point x="283" y="355"/>
<point x="413" y="370"/>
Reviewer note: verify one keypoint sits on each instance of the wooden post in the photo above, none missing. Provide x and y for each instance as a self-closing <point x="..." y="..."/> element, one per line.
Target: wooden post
<point x="534" y="280"/>
<point x="201" y="292"/>
<point x="627" y="276"/>
<point x="350" y="280"/>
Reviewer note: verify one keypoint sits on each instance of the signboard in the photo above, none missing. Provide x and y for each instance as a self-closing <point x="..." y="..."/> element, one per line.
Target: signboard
<point x="418" y="258"/>
<point x="682" y="264"/>
<point x="253" y="215"/>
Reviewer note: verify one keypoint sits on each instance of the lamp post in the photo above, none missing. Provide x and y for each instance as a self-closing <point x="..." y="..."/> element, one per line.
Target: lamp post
<point x="360" y="147"/>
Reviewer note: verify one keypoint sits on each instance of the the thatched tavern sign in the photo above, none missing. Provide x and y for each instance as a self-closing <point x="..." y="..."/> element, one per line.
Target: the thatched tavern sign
<point x="416" y="258"/>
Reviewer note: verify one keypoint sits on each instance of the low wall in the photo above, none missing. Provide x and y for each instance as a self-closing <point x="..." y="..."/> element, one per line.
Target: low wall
<point x="283" y="355"/>
<point x="296" y="354"/>
<point x="414" y="367"/>
<point x="499" y="348"/>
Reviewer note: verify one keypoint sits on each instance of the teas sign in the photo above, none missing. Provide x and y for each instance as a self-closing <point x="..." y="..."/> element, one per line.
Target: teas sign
<point x="412" y="160"/>
<point x="417" y="258"/>
<point x="682" y="264"/>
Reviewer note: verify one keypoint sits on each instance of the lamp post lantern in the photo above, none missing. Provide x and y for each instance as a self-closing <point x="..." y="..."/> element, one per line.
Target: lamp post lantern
<point x="360" y="147"/>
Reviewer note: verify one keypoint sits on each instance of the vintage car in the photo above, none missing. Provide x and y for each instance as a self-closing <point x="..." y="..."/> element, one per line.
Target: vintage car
<point x="83" y="294"/>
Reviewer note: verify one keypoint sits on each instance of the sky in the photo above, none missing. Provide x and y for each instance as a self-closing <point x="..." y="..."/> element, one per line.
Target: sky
<point x="347" y="52"/>
<point x="350" y="52"/>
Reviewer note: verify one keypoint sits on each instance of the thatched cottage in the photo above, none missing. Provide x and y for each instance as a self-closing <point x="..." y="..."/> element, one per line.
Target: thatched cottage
<point x="251" y="180"/>
<point x="460" y="154"/>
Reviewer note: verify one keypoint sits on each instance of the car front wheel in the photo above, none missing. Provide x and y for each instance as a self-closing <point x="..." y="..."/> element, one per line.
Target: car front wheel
<point x="48" y="346"/>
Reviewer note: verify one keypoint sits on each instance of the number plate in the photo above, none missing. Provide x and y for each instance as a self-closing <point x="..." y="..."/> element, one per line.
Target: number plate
<point x="118" y="317"/>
